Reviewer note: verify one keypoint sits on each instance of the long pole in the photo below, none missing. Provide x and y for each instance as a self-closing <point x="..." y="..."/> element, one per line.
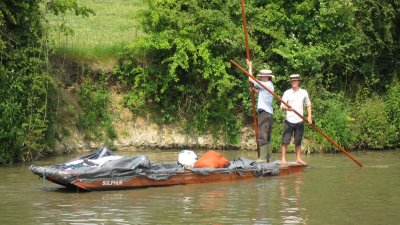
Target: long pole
<point x="251" y="84"/>
<point x="246" y="39"/>
<point x="301" y="116"/>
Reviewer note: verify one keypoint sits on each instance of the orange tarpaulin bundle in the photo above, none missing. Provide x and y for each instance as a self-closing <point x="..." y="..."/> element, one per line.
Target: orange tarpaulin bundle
<point x="211" y="159"/>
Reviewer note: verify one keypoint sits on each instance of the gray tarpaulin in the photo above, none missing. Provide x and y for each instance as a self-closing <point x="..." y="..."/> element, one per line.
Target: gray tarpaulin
<point x="242" y="164"/>
<point x="104" y="164"/>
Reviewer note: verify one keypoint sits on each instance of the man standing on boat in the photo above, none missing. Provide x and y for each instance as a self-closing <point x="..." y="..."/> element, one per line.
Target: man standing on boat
<point x="297" y="98"/>
<point x="264" y="110"/>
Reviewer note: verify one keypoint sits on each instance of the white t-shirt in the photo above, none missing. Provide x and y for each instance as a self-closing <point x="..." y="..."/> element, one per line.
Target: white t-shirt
<point x="296" y="100"/>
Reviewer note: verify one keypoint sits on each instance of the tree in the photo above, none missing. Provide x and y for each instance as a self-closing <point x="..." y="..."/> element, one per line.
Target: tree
<point x="181" y="64"/>
<point x="24" y="80"/>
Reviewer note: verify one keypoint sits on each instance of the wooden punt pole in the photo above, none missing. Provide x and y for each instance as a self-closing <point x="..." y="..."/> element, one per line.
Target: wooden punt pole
<point x="251" y="84"/>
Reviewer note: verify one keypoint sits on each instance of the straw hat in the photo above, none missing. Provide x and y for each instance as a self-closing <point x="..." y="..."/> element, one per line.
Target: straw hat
<point x="266" y="73"/>
<point x="295" y="77"/>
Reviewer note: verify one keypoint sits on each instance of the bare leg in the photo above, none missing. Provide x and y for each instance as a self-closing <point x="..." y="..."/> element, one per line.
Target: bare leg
<point x="283" y="161"/>
<point x="298" y="154"/>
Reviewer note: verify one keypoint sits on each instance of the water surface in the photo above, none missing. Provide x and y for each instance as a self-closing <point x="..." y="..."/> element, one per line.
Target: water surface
<point x="333" y="190"/>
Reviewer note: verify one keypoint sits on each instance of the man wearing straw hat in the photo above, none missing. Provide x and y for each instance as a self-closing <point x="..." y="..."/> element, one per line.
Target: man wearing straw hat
<point x="264" y="110"/>
<point x="296" y="98"/>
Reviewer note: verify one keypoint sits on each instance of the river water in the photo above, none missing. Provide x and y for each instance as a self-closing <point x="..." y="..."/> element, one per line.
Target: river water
<point x="333" y="190"/>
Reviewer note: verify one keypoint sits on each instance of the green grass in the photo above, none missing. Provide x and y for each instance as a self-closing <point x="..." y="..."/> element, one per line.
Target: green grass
<point x="98" y="37"/>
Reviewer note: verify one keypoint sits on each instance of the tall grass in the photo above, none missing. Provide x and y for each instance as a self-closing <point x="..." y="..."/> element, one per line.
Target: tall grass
<point x="97" y="37"/>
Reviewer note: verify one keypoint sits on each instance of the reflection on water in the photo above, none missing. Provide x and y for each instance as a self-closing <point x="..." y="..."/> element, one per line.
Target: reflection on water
<point x="332" y="191"/>
<point x="290" y="194"/>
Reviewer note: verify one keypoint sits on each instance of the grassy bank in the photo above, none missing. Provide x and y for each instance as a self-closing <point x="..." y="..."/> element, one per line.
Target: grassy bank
<point x="98" y="37"/>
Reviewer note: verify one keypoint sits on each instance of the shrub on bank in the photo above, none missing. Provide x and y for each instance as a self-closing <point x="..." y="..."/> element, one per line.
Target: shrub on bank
<point x="392" y="107"/>
<point x="95" y="119"/>
<point x="372" y="124"/>
<point x="330" y="114"/>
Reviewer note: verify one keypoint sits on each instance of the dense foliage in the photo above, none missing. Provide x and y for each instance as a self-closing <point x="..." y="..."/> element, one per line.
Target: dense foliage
<point x="95" y="120"/>
<point x="181" y="65"/>
<point x="338" y="44"/>
<point x="347" y="51"/>
<point x="25" y="83"/>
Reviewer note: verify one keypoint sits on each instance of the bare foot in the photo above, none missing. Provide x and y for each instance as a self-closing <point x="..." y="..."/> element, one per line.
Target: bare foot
<point x="299" y="161"/>
<point x="284" y="164"/>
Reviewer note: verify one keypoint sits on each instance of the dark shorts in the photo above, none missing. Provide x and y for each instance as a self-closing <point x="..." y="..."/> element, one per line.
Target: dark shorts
<point x="264" y="127"/>
<point x="293" y="128"/>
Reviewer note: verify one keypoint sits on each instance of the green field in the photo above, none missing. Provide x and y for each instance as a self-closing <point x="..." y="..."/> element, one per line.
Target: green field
<point x="97" y="37"/>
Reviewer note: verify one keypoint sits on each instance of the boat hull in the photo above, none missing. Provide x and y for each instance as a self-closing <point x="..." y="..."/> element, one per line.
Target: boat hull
<point x="102" y="170"/>
<point x="187" y="177"/>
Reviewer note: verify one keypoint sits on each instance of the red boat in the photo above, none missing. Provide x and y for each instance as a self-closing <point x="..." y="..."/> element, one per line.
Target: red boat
<point x="102" y="170"/>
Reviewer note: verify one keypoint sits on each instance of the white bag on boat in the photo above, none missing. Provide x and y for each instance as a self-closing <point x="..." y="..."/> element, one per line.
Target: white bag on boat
<point x="187" y="158"/>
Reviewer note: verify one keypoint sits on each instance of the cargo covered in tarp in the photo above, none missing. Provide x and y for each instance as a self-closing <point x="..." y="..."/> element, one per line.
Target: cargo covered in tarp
<point x="104" y="165"/>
